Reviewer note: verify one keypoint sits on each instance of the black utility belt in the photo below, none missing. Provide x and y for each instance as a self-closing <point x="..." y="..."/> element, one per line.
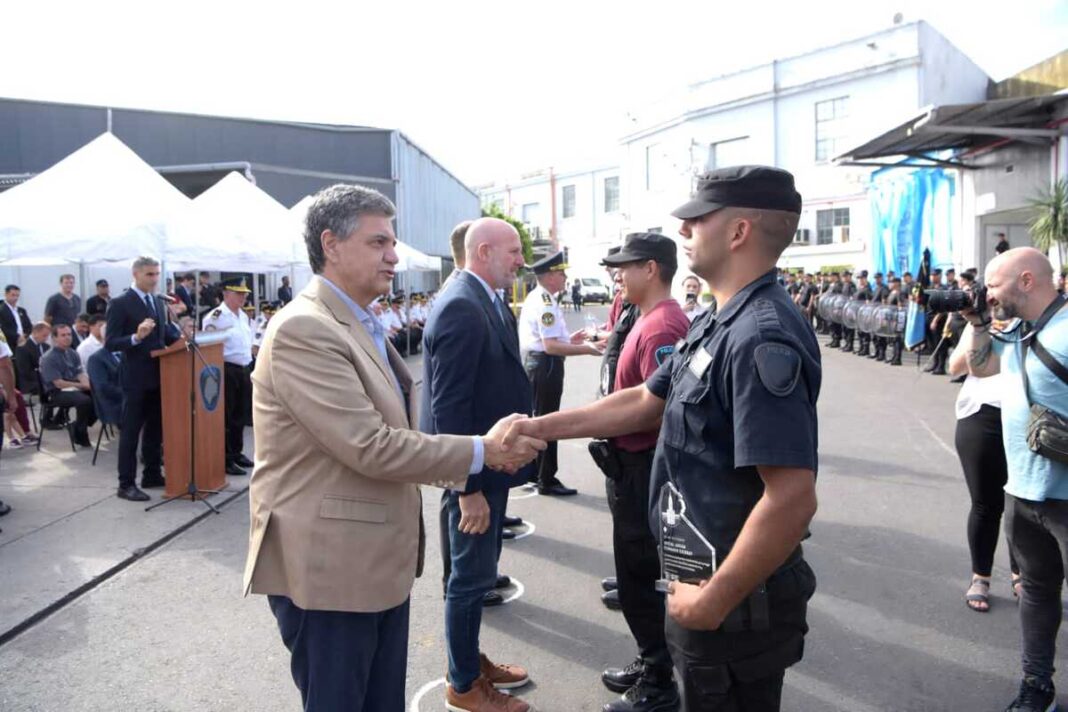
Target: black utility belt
<point x="234" y="365"/>
<point x="542" y="356"/>
<point x="611" y="460"/>
<point x="754" y="614"/>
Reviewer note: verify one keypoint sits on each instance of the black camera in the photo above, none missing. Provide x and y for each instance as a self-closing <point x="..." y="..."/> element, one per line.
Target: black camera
<point x="942" y="301"/>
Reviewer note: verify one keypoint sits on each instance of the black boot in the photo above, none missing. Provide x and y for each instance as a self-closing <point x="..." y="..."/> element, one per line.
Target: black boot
<point x="655" y="691"/>
<point x="622" y="679"/>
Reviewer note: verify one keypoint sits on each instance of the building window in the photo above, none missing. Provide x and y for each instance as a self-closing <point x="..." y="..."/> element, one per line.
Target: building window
<point x="652" y="170"/>
<point x="569" y="201"/>
<point x="726" y="153"/>
<point x="529" y="212"/>
<point x="611" y="194"/>
<point x="830" y="223"/>
<point x="830" y="127"/>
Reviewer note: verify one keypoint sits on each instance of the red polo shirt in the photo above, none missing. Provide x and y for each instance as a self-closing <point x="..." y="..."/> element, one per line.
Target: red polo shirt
<point x="649" y="344"/>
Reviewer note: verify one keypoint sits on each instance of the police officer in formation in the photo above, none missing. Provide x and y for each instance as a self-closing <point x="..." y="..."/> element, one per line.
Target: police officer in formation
<point x="733" y="475"/>
<point x="938" y="346"/>
<point x="834" y="288"/>
<point x="849" y="289"/>
<point x="545" y="343"/>
<point x="897" y="298"/>
<point x="863" y="295"/>
<point x="880" y="292"/>
<point x="229" y="317"/>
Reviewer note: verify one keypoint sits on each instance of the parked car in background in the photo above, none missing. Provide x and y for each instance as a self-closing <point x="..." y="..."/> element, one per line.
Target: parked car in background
<point x="594" y="289"/>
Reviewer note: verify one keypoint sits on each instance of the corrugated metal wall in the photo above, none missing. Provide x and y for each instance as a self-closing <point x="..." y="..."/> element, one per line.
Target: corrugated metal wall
<point x="430" y="202"/>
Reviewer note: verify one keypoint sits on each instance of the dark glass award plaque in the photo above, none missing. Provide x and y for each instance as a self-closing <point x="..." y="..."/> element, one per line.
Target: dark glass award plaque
<point x="685" y="554"/>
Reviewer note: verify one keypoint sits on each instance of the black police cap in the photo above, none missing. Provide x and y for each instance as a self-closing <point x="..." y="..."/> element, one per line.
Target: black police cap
<point x="642" y="246"/>
<point x="759" y="187"/>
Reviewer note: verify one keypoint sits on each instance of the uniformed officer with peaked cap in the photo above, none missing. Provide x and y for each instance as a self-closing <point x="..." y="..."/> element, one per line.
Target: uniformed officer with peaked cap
<point x="544" y="342"/>
<point x="733" y="480"/>
<point x="237" y="355"/>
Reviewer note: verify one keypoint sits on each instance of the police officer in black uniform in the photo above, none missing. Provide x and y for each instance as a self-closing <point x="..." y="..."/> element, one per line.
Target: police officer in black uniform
<point x="879" y="294"/>
<point x="737" y="448"/>
<point x="834" y="288"/>
<point x="863" y="295"/>
<point x="897" y="298"/>
<point x="849" y="288"/>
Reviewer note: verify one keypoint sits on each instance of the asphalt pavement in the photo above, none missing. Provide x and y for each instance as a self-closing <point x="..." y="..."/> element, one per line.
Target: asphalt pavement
<point x="890" y="630"/>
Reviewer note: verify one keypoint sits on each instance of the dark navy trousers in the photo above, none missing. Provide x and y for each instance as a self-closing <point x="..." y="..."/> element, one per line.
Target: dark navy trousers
<point x="345" y="662"/>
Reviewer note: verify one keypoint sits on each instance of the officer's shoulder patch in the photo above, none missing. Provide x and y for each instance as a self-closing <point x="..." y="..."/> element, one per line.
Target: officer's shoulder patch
<point x="779" y="367"/>
<point x="216" y="313"/>
<point x="663" y="353"/>
<point x="548" y="318"/>
<point x="209" y="327"/>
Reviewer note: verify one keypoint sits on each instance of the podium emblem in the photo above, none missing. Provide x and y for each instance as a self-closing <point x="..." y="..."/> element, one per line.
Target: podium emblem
<point x="685" y="554"/>
<point x="210" y="386"/>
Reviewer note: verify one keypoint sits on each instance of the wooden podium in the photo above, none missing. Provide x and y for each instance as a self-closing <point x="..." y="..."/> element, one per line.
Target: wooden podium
<point x="183" y="376"/>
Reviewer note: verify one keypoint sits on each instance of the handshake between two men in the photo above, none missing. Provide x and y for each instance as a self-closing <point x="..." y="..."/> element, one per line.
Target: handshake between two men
<point x="519" y="450"/>
<point x="510" y="457"/>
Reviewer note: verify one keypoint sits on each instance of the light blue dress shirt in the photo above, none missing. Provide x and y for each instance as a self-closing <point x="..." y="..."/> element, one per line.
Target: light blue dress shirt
<point x="378" y="336"/>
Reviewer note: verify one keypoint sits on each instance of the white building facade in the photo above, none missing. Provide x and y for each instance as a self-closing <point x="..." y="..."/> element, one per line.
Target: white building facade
<point x="797" y="113"/>
<point x="577" y="210"/>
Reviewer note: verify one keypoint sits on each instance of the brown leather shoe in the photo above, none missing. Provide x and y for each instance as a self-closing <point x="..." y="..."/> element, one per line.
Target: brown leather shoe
<point x="482" y="698"/>
<point x="503" y="676"/>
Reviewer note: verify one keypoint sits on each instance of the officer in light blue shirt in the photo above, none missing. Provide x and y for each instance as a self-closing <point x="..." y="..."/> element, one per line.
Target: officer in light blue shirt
<point x="1020" y="286"/>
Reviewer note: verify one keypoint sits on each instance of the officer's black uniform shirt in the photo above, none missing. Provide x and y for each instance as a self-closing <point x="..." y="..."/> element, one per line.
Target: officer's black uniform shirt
<point x="740" y="392"/>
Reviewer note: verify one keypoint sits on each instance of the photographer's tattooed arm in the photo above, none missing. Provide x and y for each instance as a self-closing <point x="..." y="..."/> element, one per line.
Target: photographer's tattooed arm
<point x="975" y="353"/>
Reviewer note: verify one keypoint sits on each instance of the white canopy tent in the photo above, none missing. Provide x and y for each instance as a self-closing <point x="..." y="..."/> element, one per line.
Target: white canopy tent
<point x="233" y="226"/>
<point x="101" y="204"/>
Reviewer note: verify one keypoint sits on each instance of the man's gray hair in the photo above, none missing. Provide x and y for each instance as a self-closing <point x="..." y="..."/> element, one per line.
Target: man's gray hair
<point x="338" y="209"/>
<point x="145" y="261"/>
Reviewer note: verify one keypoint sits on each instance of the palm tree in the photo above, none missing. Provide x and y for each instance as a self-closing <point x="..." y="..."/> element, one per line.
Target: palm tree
<point x="1049" y="226"/>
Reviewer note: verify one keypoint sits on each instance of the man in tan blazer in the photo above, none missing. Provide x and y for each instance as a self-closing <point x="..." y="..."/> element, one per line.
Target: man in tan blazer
<point x="336" y="536"/>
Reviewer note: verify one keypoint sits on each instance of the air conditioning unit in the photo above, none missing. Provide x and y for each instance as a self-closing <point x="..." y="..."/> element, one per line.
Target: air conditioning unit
<point x="803" y="236"/>
<point x="841" y="233"/>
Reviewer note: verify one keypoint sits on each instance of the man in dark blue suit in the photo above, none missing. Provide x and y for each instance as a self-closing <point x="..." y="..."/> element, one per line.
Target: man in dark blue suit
<point x="138" y="324"/>
<point x="473" y="376"/>
<point x="184" y="291"/>
<point x="106" y="379"/>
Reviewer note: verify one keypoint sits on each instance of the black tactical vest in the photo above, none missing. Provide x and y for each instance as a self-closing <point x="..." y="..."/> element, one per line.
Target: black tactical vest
<point x="627" y="316"/>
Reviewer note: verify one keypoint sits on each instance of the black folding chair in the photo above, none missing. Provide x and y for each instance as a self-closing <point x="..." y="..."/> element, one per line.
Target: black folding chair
<point x="64" y="411"/>
<point x="106" y="425"/>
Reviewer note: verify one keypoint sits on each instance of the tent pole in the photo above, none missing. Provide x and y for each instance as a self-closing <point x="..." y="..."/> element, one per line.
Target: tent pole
<point x="81" y="280"/>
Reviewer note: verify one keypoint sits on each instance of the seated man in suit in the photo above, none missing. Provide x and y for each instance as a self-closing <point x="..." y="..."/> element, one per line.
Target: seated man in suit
<point x="472" y="376"/>
<point x="104" y="378"/>
<point x="138" y="324"/>
<point x="336" y="537"/>
<point x="27" y="361"/>
<point x="14" y="322"/>
<point x="66" y="383"/>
